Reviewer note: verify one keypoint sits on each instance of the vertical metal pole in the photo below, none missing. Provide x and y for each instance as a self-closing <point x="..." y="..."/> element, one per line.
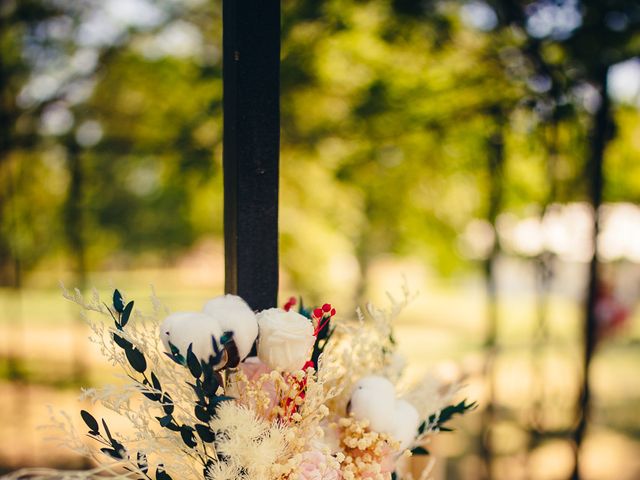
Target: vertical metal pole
<point x="251" y="75"/>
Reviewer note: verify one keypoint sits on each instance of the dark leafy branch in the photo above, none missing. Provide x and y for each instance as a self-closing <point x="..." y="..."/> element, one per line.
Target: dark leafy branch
<point x="437" y="421"/>
<point x="446" y="414"/>
<point x="207" y="384"/>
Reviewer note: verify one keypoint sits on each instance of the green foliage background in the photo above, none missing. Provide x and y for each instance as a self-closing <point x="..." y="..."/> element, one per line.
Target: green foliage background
<point x="388" y="110"/>
<point x="403" y="122"/>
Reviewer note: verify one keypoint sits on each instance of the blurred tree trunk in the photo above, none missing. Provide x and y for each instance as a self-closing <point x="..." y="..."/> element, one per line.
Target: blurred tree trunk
<point x="544" y="265"/>
<point x="74" y="230"/>
<point x="74" y="215"/>
<point x="9" y="269"/>
<point x="364" y="254"/>
<point x="495" y="166"/>
<point x="10" y="262"/>
<point x="15" y="337"/>
<point x="599" y="136"/>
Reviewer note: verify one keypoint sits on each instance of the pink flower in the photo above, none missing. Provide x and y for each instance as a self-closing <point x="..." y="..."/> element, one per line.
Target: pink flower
<point x="314" y="467"/>
<point x="253" y="368"/>
<point x="388" y="459"/>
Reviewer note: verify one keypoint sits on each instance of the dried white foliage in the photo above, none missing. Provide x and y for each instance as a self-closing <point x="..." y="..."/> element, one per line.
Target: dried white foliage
<point x="366" y="347"/>
<point x="430" y="395"/>
<point x="275" y="420"/>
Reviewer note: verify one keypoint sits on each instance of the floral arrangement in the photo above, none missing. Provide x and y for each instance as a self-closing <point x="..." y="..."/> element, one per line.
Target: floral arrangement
<point x="227" y="393"/>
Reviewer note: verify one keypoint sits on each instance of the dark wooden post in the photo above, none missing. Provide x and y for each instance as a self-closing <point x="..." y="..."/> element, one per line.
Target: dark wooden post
<point x="251" y="73"/>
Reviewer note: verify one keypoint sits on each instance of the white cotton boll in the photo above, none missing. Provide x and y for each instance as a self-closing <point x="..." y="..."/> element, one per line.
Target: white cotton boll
<point x="406" y="421"/>
<point x="234" y="315"/>
<point x="201" y="333"/>
<point x="168" y="324"/>
<point x="191" y="328"/>
<point x="374" y="399"/>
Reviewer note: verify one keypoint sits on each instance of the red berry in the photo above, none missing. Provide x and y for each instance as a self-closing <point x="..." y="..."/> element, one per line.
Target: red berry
<point x="318" y="313"/>
<point x="333" y="312"/>
<point x="292" y="301"/>
<point x="326" y="308"/>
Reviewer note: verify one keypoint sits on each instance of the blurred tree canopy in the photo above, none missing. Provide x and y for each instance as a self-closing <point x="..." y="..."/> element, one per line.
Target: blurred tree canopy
<point x="398" y="119"/>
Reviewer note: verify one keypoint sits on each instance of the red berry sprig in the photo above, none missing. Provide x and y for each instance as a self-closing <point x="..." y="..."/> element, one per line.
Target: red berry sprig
<point x="290" y="304"/>
<point x="322" y="316"/>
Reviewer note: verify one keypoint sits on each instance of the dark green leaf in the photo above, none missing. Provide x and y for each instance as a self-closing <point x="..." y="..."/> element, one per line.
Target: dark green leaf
<point x="201" y="413"/>
<point x="136" y="359"/>
<point x="122" y="342"/>
<point x="208" y="469"/>
<point x="143" y="463"/>
<point x="175" y="355"/>
<point x="205" y="433"/>
<point x="118" y="447"/>
<point x="126" y="313"/>
<point x="164" y="421"/>
<point x="167" y="404"/>
<point x="155" y="381"/>
<point x="174" y="350"/>
<point x="111" y="452"/>
<point x="223" y="398"/>
<point x="214" y="344"/>
<point x="226" y="337"/>
<point x="197" y="388"/>
<point x="106" y="429"/>
<point x="161" y="474"/>
<point x="193" y="363"/>
<point x="446" y="414"/>
<point x="118" y="302"/>
<point x="154" y="397"/>
<point x="173" y="358"/>
<point x="218" y="400"/>
<point x="419" y="451"/>
<point x="186" y="432"/>
<point x="173" y="427"/>
<point x="422" y="428"/>
<point x="211" y="386"/>
<point x="91" y="422"/>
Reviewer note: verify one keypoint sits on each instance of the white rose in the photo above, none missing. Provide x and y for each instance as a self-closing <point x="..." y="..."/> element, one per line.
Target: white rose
<point x="182" y="329"/>
<point x="233" y="314"/>
<point x="285" y="339"/>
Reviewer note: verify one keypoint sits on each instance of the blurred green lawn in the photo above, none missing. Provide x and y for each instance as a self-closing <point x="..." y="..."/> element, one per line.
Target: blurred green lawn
<point x="46" y="353"/>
